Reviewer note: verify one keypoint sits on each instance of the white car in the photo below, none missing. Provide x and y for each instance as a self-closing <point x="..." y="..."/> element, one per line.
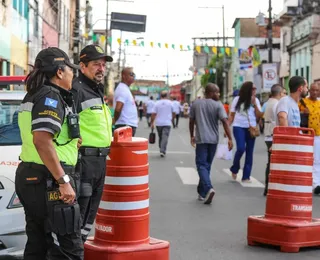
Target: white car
<point x="12" y="219"/>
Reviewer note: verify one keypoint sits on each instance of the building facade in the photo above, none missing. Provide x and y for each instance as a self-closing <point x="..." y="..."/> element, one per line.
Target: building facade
<point x="249" y="34"/>
<point x="5" y="39"/>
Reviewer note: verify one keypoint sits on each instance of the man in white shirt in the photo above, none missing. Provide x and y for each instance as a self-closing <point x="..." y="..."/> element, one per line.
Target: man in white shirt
<point x="162" y="117"/>
<point x="277" y="92"/>
<point x="176" y="109"/>
<point x="125" y="112"/>
<point x="150" y="105"/>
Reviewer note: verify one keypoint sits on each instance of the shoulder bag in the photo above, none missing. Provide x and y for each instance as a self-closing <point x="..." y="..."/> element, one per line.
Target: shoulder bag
<point x="254" y="130"/>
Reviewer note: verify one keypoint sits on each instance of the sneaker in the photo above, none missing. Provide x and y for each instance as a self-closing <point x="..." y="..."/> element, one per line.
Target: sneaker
<point x="246" y="181"/>
<point x="316" y="190"/>
<point x="162" y="155"/>
<point x="200" y="198"/>
<point x="209" y="197"/>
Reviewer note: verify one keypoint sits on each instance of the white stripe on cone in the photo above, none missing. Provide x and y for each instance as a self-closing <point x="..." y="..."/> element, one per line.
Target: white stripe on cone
<point x="140" y="152"/>
<point x="123" y="181"/>
<point x="291" y="167"/>
<point x="134" y="205"/>
<point x="292" y="148"/>
<point x="290" y="188"/>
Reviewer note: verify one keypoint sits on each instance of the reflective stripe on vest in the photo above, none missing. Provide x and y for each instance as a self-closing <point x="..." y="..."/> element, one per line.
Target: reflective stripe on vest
<point x="66" y="153"/>
<point x="95" y="123"/>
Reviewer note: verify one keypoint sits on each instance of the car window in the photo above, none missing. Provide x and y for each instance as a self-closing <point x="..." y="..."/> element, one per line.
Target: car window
<point x="9" y="128"/>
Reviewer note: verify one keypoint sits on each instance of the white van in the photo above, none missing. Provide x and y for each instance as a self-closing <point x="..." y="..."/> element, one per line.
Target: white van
<point x="12" y="220"/>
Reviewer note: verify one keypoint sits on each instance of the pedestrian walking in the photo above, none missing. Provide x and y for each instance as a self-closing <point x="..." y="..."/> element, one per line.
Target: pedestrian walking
<point x="162" y="118"/>
<point x="176" y="109"/>
<point x="277" y="92"/>
<point x="206" y="114"/>
<point x="95" y="129"/>
<point x="140" y="108"/>
<point x="45" y="178"/>
<point x="311" y="108"/>
<point x="287" y="110"/>
<point x="245" y="113"/>
<point x="125" y="113"/>
<point x="150" y="104"/>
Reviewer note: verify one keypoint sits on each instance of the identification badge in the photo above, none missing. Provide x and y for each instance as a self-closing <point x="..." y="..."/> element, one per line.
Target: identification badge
<point x="53" y="195"/>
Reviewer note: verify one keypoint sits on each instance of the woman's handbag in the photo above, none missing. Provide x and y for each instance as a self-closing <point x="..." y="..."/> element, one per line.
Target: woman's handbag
<point x="254" y="130"/>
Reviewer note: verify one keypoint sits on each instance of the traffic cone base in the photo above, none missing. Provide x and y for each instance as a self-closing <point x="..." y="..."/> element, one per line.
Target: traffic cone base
<point x="155" y="250"/>
<point x="290" y="235"/>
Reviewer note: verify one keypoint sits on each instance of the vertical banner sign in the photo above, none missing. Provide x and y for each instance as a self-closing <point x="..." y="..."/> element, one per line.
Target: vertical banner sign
<point x="245" y="59"/>
<point x="270" y="75"/>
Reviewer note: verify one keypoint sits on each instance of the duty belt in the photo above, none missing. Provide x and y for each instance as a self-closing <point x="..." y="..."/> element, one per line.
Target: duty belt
<point x="67" y="169"/>
<point x="86" y="151"/>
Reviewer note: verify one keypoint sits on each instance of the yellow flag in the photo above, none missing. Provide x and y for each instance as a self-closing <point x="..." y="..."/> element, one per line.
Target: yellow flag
<point x="134" y="42"/>
<point x="151" y="44"/>
<point x="198" y="49"/>
<point x="166" y="45"/>
<point x="228" y="51"/>
<point x="235" y="50"/>
<point x="119" y="40"/>
<point x="85" y="35"/>
<point x="214" y="50"/>
<point x="181" y="47"/>
<point x="102" y="38"/>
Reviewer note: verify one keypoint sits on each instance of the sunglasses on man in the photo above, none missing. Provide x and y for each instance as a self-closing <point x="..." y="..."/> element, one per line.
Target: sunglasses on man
<point x="132" y="74"/>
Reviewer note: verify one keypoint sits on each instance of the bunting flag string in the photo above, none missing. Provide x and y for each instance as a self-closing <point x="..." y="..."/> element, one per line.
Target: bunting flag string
<point x="229" y="51"/>
<point x="165" y="76"/>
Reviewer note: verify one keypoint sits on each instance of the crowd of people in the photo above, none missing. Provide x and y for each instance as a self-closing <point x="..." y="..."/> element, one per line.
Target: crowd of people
<point x="245" y="117"/>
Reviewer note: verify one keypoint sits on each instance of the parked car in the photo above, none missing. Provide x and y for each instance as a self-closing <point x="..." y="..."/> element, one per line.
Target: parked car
<point x="12" y="221"/>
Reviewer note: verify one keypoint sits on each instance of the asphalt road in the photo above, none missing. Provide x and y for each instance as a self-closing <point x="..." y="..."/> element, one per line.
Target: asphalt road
<point x="197" y="231"/>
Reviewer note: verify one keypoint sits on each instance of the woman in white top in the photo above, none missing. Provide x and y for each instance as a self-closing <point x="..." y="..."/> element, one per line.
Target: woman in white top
<point x="245" y="112"/>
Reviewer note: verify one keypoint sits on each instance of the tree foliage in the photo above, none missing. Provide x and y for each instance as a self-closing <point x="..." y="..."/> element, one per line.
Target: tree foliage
<point x="217" y="64"/>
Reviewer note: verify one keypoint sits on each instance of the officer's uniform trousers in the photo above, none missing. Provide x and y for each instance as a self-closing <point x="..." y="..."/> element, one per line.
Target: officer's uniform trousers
<point x="93" y="171"/>
<point x="31" y="187"/>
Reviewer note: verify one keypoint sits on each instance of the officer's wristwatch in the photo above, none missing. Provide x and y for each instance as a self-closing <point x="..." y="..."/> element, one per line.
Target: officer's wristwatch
<point x="64" y="179"/>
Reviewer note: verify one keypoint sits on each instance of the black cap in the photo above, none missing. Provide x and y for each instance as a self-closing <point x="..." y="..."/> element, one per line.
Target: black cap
<point x="93" y="52"/>
<point x="51" y="58"/>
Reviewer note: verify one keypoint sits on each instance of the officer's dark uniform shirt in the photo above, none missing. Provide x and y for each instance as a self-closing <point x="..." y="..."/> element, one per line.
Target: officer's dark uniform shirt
<point x="95" y="116"/>
<point x="48" y="108"/>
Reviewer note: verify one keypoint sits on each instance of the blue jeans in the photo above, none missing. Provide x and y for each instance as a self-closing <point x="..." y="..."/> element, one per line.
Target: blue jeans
<point x="245" y="143"/>
<point x="204" y="158"/>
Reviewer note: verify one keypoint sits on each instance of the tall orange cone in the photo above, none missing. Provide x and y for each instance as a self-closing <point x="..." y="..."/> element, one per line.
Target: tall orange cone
<point x="288" y="220"/>
<point x="122" y="222"/>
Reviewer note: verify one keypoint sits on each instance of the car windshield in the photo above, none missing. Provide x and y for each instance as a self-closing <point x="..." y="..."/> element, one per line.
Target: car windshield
<point x="9" y="129"/>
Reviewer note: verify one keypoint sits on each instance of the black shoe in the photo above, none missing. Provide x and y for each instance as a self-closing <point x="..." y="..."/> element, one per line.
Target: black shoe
<point x="317" y="190"/>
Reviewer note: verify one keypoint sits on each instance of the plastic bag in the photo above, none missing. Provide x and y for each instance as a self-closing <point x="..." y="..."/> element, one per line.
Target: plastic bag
<point x="223" y="151"/>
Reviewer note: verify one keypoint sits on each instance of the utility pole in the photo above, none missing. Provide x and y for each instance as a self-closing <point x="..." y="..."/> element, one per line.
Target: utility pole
<point x="76" y="38"/>
<point x="106" y="77"/>
<point x="269" y="27"/>
<point x="119" y="66"/>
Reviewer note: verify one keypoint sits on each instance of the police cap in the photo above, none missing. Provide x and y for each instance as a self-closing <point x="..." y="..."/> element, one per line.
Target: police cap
<point x="50" y="58"/>
<point x="93" y="52"/>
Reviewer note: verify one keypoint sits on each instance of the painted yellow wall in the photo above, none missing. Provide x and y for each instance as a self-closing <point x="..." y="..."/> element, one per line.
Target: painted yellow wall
<point x="19" y="54"/>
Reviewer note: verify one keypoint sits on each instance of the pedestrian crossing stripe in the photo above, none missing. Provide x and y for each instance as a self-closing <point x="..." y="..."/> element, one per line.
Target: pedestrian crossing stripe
<point x="254" y="182"/>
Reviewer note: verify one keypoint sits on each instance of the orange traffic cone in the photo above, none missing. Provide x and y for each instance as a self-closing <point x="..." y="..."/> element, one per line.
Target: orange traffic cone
<point x="288" y="220"/>
<point x="122" y="222"/>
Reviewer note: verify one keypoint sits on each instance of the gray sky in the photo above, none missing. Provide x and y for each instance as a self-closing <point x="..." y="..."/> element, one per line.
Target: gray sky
<point x="176" y="22"/>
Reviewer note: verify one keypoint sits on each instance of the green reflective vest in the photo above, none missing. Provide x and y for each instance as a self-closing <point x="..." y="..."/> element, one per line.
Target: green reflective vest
<point x="67" y="153"/>
<point x="95" y="123"/>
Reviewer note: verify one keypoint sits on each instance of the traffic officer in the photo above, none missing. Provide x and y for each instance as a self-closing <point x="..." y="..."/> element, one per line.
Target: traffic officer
<point x="49" y="132"/>
<point x="95" y="131"/>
